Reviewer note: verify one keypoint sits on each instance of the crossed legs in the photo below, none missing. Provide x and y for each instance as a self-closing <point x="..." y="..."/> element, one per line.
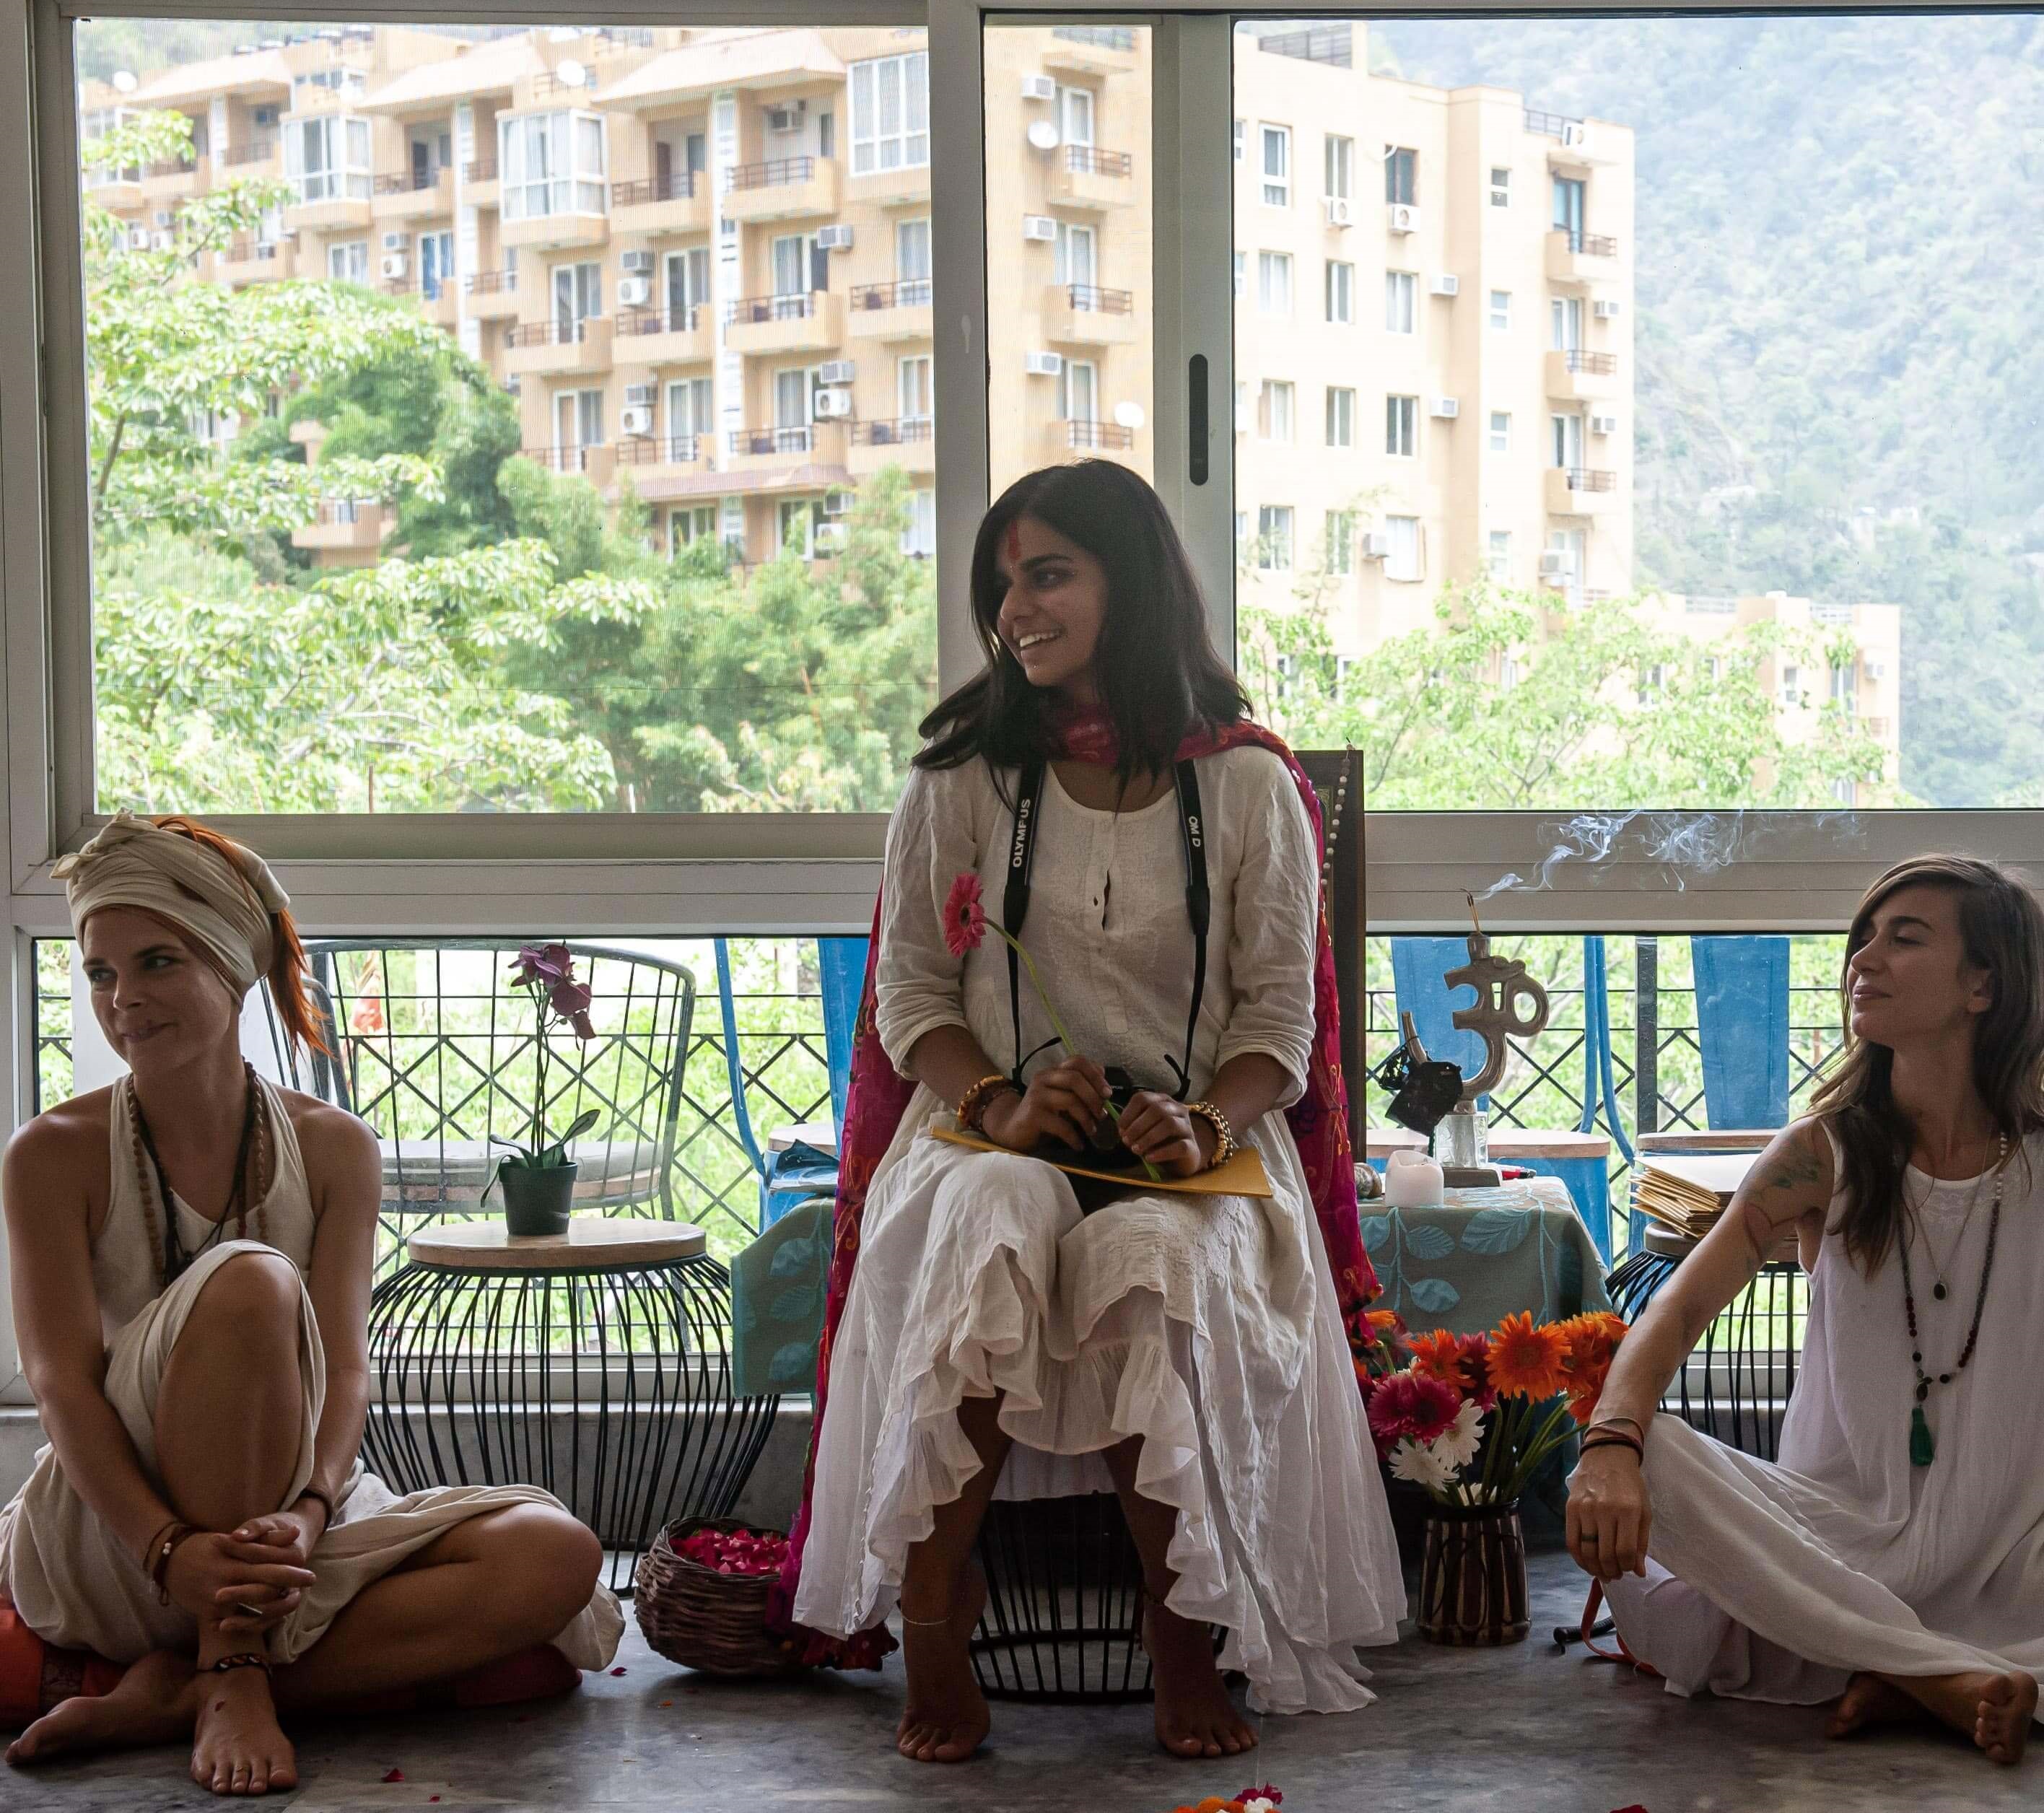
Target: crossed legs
<point x="229" y="1431"/>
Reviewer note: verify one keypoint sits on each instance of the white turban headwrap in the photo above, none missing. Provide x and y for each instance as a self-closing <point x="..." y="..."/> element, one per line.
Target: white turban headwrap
<point x="224" y="907"/>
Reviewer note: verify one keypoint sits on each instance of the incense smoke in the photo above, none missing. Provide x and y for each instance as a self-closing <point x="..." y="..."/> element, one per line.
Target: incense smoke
<point x="1683" y="845"/>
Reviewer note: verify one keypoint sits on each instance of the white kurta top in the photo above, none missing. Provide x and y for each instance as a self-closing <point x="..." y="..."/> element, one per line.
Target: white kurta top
<point x="1207" y="1325"/>
<point x="1778" y="1582"/>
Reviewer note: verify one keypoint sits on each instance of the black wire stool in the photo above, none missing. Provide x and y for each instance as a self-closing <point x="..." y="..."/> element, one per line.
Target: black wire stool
<point x="1064" y="1622"/>
<point x="1747" y="1357"/>
<point x="594" y="1364"/>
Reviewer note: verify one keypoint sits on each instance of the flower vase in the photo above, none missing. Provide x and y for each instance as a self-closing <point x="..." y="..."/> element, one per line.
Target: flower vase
<point x="537" y="1198"/>
<point x="1472" y="1576"/>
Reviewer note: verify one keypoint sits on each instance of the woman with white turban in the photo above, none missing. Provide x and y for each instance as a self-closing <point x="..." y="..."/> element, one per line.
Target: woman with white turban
<point x="191" y="1250"/>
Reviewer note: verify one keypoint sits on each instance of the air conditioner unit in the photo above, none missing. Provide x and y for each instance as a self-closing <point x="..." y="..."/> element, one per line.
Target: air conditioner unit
<point x="833" y="403"/>
<point x="163" y="242"/>
<point x="836" y="371"/>
<point x="1604" y="311"/>
<point x="636" y="264"/>
<point x="787" y="118"/>
<point x="1446" y="408"/>
<point x="395" y="263"/>
<point x="638" y="396"/>
<point x="1039" y="88"/>
<point x="636" y="421"/>
<point x="1603" y="425"/>
<point x="1446" y="284"/>
<point x="834" y="239"/>
<point x="396" y="241"/>
<point x="634" y="292"/>
<point x="827" y="538"/>
<point x="1374" y="546"/>
<point x="1042" y="364"/>
<point x="1556" y="564"/>
<point x="138" y="239"/>
<point x="1040" y="227"/>
<point x="837" y="503"/>
<point x="1575" y="135"/>
<point x="1341" y="211"/>
<point x="1404" y="217"/>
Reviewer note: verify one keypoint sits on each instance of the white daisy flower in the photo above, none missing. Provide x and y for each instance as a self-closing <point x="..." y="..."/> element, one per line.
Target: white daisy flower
<point x="1419" y="1462"/>
<point x="1457" y="1443"/>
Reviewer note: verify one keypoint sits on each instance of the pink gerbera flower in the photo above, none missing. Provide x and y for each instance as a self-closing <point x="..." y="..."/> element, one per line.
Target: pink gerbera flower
<point x="965" y="918"/>
<point x="1410" y="1404"/>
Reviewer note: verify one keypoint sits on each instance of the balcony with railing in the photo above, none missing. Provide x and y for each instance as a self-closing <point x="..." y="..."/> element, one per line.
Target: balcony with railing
<point x="1575" y="375"/>
<point x="809" y="444"/>
<point x="241" y="159"/>
<point x="492" y="295"/>
<point x="248" y="260"/>
<point x="1082" y="436"/>
<point x="346" y="532"/>
<point x="1092" y="50"/>
<point x="1577" y="143"/>
<point x="782" y="189"/>
<point x="1084" y="314"/>
<point x="1576" y="257"/>
<point x="562" y="345"/>
<point x="900" y="310"/>
<point x="479" y="187"/>
<point x="675" y="203"/>
<point x="643" y="451"/>
<point x="662" y="337"/>
<point x="1085" y="176"/>
<point x="170" y="179"/>
<point x="413" y="194"/>
<point x="807" y="321"/>
<point x="1580" y="490"/>
<point x="595" y="460"/>
<point x="908" y="442"/>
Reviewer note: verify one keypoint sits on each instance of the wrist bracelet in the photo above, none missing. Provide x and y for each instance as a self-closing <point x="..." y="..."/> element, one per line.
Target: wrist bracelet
<point x="324" y="1503"/>
<point x="162" y="1546"/>
<point x="1615" y="1440"/>
<point x="972" y="1105"/>
<point x="1225" y="1147"/>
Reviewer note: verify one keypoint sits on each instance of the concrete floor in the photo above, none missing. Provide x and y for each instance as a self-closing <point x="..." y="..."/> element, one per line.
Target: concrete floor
<point x="1524" y="1729"/>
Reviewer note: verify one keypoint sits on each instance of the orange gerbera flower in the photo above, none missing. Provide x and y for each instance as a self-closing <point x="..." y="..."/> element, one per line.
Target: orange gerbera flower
<point x="1592" y="1338"/>
<point x="1526" y="1360"/>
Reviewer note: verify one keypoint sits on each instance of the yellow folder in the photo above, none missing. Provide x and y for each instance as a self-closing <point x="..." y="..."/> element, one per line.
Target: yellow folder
<point x="1243" y="1175"/>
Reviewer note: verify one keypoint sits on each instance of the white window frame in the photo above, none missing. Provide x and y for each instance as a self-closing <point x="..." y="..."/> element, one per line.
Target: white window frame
<point x="1500" y="185"/>
<point x="1500" y="311"/>
<point x="1338" y="544"/>
<point x="340" y="254"/>
<point x="1497" y="556"/>
<point x="1402" y="301"/>
<point x="1340" y="415"/>
<point x="345" y="177"/>
<point x="1501" y="431"/>
<point x="1338" y="173"/>
<point x="1340" y="287"/>
<point x="1406" y="564"/>
<point x="1401" y="426"/>
<point x="1270" y="267"/>
<point x="1275" y="537"/>
<point x="1277" y="412"/>
<point x="890" y="104"/>
<point x="1274" y="175"/>
<point x="569" y="179"/>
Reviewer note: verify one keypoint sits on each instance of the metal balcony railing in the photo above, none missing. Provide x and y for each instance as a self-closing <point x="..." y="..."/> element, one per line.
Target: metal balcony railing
<point x="1598" y="364"/>
<point x="491" y="282"/>
<point x="745" y="310"/>
<point x="170" y="166"/>
<point x="676" y="185"/>
<point x="1550" y="125"/>
<point x="406" y="181"/>
<point x="479" y="169"/>
<point x="904" y="293"/>
<point x="1091" y="159"/>
<point x="573" y="458"/>
<point x="660" y="450"/>
<point x="549" y="333"/>
<point x="1591" y="245"/>
<point x="1588" y="479"/>
<point x="331" y="511"/>
<point x="256" y="151"/>
<point x="1107" y="37"/>
<point x="1086" y="299"/>
<point x="631" y="322"/>
<point x="766" y="441"/>
<point x="1101" y="434"/>
<point x="900" y="432"/>
<point x="773" y="174"/>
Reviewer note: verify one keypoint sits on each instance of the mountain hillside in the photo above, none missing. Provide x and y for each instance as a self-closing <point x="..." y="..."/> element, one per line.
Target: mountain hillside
<point x="1840" y="385"/>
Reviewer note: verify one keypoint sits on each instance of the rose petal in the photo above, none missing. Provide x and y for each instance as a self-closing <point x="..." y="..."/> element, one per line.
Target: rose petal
<point x="395" y="1775"/>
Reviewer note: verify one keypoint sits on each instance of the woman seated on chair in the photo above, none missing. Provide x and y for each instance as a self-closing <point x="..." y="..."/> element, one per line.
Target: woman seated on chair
<point x="1188" y="1349"/>
<point x="191" y="1252"/>
<point x="1893" y="1561"/>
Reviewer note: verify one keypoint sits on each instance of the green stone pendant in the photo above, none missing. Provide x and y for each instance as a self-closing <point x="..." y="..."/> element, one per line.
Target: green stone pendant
<point x="1922" y="1449"/>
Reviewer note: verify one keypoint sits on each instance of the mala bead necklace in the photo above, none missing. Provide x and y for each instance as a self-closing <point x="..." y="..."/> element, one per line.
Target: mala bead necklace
<point x="1923" y="1445"/>
<point x="167" y="1247"/>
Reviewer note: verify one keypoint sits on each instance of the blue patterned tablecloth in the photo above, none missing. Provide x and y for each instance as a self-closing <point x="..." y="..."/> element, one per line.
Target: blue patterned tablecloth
<point x="1484" y="1253"/>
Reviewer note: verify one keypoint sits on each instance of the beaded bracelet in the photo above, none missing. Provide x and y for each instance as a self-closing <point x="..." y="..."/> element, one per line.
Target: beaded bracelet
<point x="161" y="1545"/>
<point x="972" y="1105"/>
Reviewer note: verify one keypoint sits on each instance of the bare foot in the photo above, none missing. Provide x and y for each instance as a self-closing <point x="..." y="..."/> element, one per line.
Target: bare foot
<point x="237" y="1747"/>
<point x="1868" y="1703"/>
<point x="1994" y="1710"/>
<point x="945" y="1718"/>
<point x="155" y="1704"/>
<point x="1195" y="1717"/>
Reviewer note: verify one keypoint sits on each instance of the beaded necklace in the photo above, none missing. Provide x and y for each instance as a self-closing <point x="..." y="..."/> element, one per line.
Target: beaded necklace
<point x="1923" y="1445"/>
<point x="167" y="1247"/>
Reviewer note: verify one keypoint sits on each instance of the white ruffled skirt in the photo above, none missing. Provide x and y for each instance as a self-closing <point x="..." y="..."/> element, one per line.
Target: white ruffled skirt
<point x="1206" y="1326"/>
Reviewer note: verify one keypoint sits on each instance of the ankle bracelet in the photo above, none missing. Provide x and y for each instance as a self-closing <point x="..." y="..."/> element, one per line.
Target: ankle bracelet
<point x="924" y="1624"/>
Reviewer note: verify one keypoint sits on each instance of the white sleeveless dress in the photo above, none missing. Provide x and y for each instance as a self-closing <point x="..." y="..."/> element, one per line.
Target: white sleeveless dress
<point x="71" y="1579"/>
<point x="1779" y="1582"/>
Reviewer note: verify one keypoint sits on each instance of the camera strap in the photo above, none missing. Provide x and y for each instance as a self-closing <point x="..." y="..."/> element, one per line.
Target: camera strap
<point x="1199" y="902"/>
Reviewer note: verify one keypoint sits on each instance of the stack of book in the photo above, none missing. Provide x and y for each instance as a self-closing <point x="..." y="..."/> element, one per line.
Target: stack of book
<point x="1688" y="1192"/>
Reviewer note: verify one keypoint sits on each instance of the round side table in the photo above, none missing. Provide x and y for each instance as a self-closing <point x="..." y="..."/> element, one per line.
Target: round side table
<point x="594" y="1363"/>
<point x="1747" y="1356"/>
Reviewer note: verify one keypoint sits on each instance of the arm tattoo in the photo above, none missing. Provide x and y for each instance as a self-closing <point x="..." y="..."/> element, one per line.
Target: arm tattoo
<point x="1793" y="1169"/>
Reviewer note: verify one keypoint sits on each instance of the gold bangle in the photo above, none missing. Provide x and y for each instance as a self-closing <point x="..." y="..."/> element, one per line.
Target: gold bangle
<point x="972" y="1105"/>
<point x="1225" y="1146"/>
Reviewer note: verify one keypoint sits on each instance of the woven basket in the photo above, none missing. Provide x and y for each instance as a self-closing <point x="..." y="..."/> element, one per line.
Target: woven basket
<point x="703" y="1619"/>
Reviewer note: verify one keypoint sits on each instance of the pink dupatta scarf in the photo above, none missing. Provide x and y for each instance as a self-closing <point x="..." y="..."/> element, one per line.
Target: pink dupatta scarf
<point x="879" y="1097"/>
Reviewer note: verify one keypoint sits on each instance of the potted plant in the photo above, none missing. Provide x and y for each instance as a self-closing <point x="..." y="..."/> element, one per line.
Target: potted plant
<point x="538" y="1178"/>
<point x="1469" y="1422"/>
